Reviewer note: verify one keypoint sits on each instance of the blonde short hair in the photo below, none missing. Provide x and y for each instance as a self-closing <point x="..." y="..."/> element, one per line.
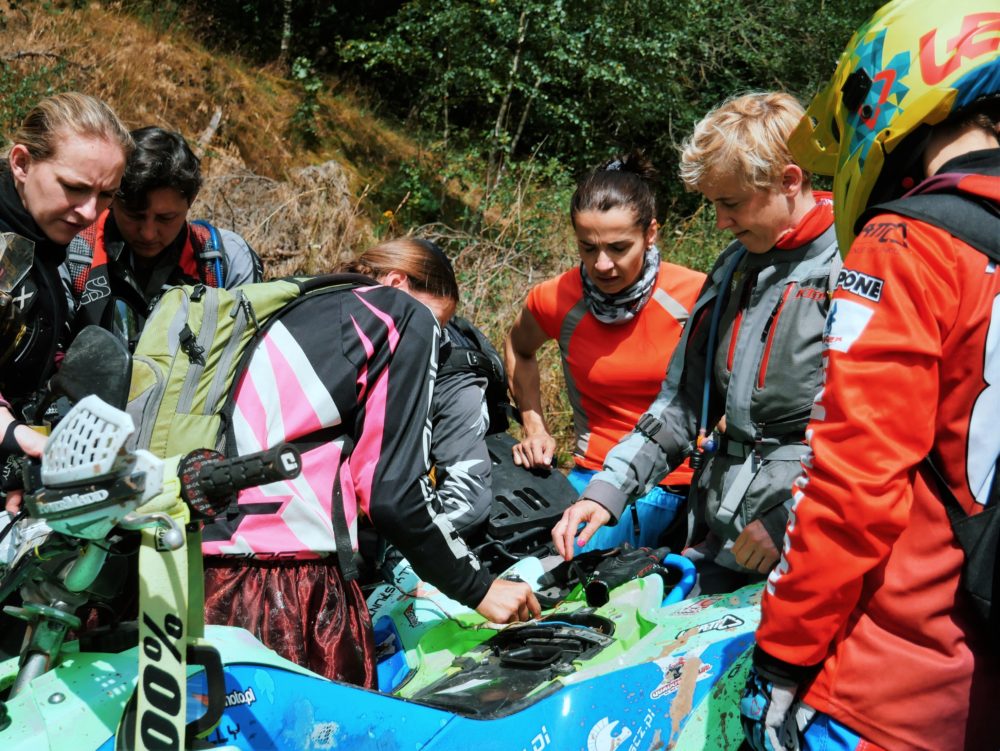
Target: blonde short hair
<point x="747" y="136"/>
<point x="70" y="112"/>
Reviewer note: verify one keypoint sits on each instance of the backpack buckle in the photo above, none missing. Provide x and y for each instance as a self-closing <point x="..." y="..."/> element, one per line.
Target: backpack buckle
<point x="649" y="426"/>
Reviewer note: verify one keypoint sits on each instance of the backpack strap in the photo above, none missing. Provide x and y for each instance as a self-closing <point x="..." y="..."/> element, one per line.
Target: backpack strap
<point x="482" y="359"/>
<point x="974" y="221"/>
<point x="209" y="253"/>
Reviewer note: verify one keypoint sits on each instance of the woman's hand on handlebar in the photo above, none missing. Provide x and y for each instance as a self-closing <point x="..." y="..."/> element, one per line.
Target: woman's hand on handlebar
<point x="31" y="442"/>
<point x="584" y="511"/>
<point x="509" y="601"/>
<point x="535" y="451"/>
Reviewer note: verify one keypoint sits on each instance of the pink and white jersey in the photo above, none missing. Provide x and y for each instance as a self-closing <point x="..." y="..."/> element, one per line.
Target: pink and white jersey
<point x="346" y="376"/>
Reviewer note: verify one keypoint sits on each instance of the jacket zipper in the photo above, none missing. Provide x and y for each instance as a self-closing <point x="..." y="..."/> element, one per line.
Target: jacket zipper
<point x="745" y="295"/>
<point x="767" y="335"/>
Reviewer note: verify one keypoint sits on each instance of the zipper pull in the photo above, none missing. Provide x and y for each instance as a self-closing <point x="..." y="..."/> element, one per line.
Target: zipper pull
<point x="189" y="343"/>
<point x="770" y="319"/>
<point x="758" y="439"/>
<point x="248" y="312"/>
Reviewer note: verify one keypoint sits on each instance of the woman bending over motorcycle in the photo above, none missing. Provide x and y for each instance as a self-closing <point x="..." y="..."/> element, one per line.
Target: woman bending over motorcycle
<point x="459" y="420"/>
<point x="348" y="377"/>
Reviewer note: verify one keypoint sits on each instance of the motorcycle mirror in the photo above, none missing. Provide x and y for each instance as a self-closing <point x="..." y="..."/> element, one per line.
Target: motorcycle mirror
<point x="97" y="362"/>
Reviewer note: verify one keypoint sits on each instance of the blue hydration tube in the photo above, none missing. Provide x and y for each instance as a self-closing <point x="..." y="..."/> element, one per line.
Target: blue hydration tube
<point x="688" y="577"/>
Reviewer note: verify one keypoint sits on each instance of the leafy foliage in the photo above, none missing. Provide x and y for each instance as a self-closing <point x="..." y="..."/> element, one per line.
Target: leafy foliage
<point x="580" y="79"/>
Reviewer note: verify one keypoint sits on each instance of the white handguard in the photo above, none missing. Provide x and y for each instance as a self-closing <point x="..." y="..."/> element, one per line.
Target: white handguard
<point x="86" y="443"/>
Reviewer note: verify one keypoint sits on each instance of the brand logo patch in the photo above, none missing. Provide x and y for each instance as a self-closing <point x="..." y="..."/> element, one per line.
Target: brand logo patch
<point x="893" y="233"/>
<point x="725" y="623"/>
<point x="96" y="288"/>
<point x="862" y="285"/>
<point x="411" y="616"/>
<point x="844" y="324"/>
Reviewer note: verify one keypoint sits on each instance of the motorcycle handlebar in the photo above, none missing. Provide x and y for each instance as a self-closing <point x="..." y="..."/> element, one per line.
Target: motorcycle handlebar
<point x="210" y="481"/>
<point x="228" y="476"/>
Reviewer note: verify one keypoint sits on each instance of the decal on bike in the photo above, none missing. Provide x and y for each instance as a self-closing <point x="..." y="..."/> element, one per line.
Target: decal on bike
<point x="411" y="615"/>
<point x="237" y="698"/>
<point x="725" y="623"/>
<point x="540" y="742"/>
<point x="602" y="737"/>
<point x="159" y="685"/>
<point x="675" y="672"/>
<point x="696" y="606"/>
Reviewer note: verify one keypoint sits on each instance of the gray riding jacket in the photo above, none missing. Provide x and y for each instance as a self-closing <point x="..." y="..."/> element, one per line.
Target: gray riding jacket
<point x="765" y="372"/>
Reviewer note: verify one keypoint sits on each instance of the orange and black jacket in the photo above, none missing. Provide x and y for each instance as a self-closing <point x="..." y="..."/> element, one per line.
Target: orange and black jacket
<point x="868" y="586"/>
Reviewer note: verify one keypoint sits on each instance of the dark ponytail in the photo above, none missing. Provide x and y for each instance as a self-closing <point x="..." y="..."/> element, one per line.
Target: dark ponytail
<point x="622" y="182"/>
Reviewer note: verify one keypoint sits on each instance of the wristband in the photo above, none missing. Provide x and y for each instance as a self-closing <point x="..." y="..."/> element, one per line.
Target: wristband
<point x="781" y="672"/>
<point x="9" y="444"/>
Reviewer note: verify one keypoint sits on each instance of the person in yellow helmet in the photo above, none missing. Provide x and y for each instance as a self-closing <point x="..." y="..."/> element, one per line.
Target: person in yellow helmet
<point x="869" y="637"/>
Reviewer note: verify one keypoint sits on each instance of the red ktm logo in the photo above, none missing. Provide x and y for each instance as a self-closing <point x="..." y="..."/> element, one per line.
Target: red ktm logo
<point x="980" y="35"/>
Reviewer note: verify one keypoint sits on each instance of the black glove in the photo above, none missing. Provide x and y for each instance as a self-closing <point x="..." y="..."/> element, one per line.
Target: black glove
<point x="12" y="473"/>
<point x="629" y="563"/>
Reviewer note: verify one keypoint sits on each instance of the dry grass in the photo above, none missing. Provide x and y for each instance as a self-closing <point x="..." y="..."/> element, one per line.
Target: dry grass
<point x="300" y="219"/>
<point x="301" y="208"/>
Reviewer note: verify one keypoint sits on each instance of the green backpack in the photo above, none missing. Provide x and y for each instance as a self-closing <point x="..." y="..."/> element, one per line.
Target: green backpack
<point x="190" y="353"/>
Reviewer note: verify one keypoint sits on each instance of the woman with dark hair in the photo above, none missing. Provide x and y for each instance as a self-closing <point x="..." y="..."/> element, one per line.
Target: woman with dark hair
<point x="617" y="318"/>
<point x="145" y="241"/>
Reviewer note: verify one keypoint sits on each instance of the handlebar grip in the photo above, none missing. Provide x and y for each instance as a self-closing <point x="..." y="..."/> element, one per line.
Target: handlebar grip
<point x="209" y="481"/>
<point x="228" y="476"/>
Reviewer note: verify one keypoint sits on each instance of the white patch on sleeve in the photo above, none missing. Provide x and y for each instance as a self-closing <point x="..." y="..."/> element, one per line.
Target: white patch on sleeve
<point x="844" y="324"/>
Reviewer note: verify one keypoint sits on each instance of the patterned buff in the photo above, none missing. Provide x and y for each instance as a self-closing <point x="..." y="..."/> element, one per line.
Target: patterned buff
<point x="623" y="306"/>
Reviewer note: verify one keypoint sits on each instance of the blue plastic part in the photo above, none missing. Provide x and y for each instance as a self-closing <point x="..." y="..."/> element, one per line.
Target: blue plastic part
<point x="393" y="668"/>
<point x="688" y="577"/>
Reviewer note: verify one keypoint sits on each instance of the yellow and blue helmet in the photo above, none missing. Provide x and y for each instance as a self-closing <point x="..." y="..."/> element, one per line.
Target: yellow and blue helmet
<point x="912" y="65"/>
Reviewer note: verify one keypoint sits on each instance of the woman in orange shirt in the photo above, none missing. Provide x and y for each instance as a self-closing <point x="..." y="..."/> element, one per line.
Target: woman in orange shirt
<point x="617" y="318"/>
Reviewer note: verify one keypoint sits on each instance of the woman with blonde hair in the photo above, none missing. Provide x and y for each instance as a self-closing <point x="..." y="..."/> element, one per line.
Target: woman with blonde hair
<point x="751" y="352"/>
<point x="62" y="170"/>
